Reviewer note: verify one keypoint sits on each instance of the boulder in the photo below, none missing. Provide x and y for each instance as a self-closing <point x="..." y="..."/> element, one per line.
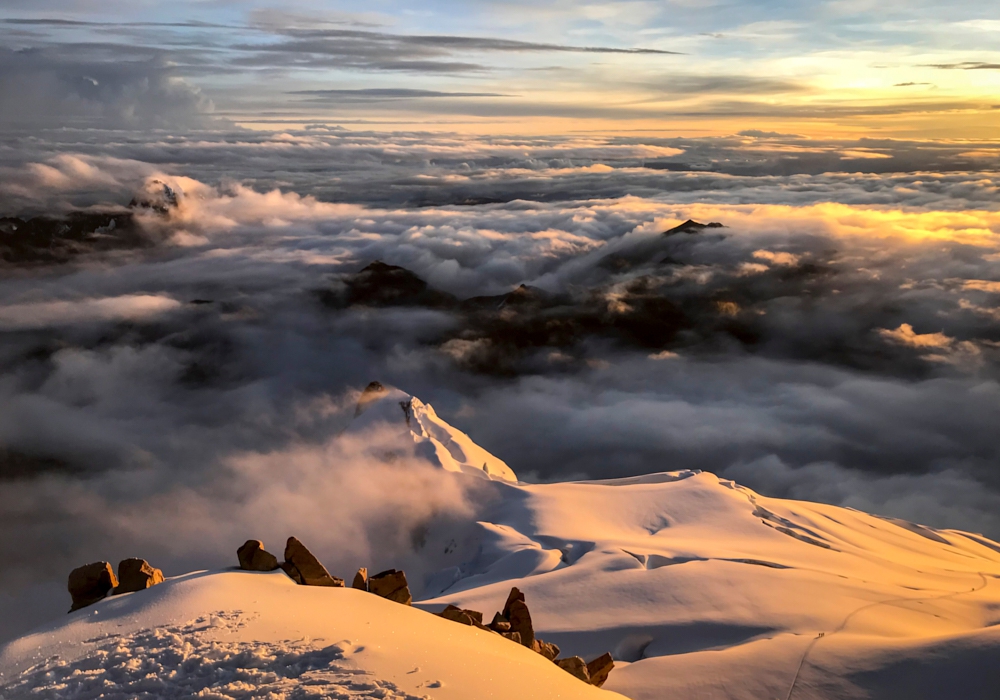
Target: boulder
<point x="473" y="618"/>
<point x="576" y="666"/>
<point x="549" y="651"/>
<point x="512" y="636"/>
<point x="391" y="584"/>
<point x="253" y="557"/>
<point x="305" y="569"/>
<point x="599" y="668"/>
<point x="89" y="584"/>
<point x="500" y="623"/>
<point x="136" y="575"/>
<point x="361" y="579"/>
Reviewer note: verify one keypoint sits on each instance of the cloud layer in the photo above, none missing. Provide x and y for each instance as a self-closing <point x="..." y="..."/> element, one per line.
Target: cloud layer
<point x="835" y="339"/>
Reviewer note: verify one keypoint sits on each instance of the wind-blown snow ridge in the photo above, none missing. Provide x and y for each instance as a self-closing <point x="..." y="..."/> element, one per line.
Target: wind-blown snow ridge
<point x="701" y="588"/>
<point x="440" y="443"/>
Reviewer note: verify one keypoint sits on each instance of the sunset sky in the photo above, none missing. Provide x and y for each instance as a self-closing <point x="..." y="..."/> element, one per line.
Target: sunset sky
<point x="846" y="68"/>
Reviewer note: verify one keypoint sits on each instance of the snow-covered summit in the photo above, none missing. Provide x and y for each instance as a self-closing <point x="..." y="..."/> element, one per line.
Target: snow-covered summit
<point x="437" y="441"/>
<point x="699" y="587"/>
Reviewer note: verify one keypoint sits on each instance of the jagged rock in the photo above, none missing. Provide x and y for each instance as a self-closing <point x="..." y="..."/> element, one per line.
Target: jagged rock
<point x="89" y="584"/>
<point x="512" y="636"/>
<point x="473" y="618"/>
<point x="549" y="651"/>
<point x="576" y="666"/>
<point x="599" y="668"/>
<point x="253" y="557"/>
<point x="361" y="579"/>
<point x="520" y="619"/>
<point x="500" y="623"/>
<point x="136" y="575"/>
<point x="391" y="584"/>
<point x="293" y="573"/>
<point x="305" y="569"/>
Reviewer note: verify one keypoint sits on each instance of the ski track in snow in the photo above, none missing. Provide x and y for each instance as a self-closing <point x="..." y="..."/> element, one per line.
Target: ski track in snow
<point x="183" y="661"/>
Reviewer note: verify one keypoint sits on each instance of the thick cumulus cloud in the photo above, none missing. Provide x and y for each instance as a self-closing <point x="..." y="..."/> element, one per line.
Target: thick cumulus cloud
<point x="835" y="339"/>
<point x="104" y="86"/>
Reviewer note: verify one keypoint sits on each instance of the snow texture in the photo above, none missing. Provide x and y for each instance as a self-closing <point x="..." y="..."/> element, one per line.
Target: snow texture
<point x="181" y="662"/>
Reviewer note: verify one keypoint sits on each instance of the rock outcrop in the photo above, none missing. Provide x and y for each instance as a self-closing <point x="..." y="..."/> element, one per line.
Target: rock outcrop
<point x="516" y="612"/>
<point x="89" y="584"/>
<point x="136" y="575"/>
<point x="391" y="584"/>
<point x="599" y="668"/>
<point x="253" y="557"/>
<point x="360" y="579"/>
<point x="546" y="649"/>
<point x="576" y="666"/>
<point x="305" y="569"/>
<point x="473" y="618"/>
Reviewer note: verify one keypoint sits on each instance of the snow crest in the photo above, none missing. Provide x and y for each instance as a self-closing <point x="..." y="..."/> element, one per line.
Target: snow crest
<point x="440" y="443"/>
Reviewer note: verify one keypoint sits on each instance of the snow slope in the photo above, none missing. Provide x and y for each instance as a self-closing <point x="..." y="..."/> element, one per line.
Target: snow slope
<point x="239" y="634"/>
<point x="701" y="588"/>
<point x="713" y="591"/>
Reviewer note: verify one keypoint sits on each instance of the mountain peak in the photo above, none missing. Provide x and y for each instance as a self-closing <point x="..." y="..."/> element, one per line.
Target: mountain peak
<point x="438" y="442"/>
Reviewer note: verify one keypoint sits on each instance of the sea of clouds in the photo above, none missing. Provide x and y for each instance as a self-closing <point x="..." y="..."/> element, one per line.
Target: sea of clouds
<point x="839" y="336"/>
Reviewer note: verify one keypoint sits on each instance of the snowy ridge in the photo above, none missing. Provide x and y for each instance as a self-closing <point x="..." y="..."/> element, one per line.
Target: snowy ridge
<point x="239" y="634"/>
<point x="711" y="590"/>
<point x="440" y="443"/>
<point x="701" y="588"/>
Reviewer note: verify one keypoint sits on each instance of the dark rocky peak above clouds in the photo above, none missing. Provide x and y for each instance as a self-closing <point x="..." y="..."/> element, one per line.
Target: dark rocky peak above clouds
<point x="48" y="240"/>
<point x="158" y="196"/>
<point x="691" y="226"/>
<point x="380" y="284"/>
<point x="522" y="297"/>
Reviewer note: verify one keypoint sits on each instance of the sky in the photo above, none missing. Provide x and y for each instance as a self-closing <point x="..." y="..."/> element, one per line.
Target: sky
<point x="173" y="382"/>
<point x="919" y="69"/>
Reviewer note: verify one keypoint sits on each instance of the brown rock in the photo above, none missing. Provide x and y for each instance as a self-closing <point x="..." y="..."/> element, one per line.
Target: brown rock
<point x="253" y="557"/>
<point x="500" y="623"/>
<point x="515" y="594"/>
<point x="136" y="575"/>
<point x="512" y="636"/>
<point x="391" y="584"/>
<point x="89" y="584"/>
<point x="361" y="579"/>
<point x="576" y="666"/>
<point x="307" y="569"/>
<point x="520" y="621"/>
<point x="293" y="573"/>
<point x="549" y="651"/>
<point x="599" y="668"/>
<point x="473" y="618"/>
<point x="516" y="611"/>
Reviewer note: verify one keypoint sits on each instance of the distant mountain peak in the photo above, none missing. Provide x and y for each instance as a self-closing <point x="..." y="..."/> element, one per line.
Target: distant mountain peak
<point x="440" y="443"/>
<point x="692" y="226"/>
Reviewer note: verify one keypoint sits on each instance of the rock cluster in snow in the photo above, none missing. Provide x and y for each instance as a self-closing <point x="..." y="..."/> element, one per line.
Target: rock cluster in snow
<point x="305" y="569"/>
<point x="92" y="582"/>
<point x="514" y="623"/>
